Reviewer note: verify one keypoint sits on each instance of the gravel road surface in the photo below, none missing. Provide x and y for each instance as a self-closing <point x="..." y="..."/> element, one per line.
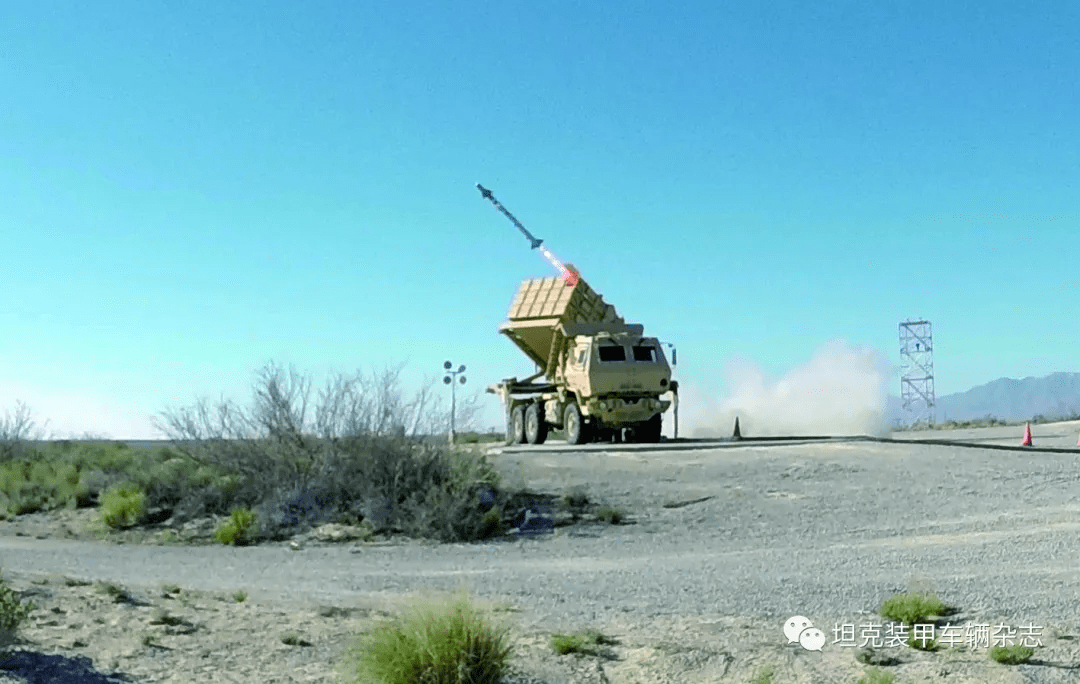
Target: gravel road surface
<point x="826" y="530"/>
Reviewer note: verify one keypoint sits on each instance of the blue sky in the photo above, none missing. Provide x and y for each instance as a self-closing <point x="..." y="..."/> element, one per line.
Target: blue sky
<point x="190" y="190"/>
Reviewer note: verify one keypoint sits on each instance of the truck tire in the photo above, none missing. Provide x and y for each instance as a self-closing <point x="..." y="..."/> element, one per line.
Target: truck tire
<point x="650" y="430"/>
<point x="535" y="427"/>
<point x="577" y="432"/>
<point x="515" y="426"/>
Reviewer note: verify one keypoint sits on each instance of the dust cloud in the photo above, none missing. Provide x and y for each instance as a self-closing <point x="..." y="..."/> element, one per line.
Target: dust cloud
<point x="841" y="390"/>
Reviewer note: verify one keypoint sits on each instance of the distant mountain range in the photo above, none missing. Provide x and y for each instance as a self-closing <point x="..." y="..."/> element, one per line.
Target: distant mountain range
<point x="1056" y="395"/>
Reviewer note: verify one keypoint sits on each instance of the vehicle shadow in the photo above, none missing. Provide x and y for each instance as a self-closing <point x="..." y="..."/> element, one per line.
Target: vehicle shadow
<point x="32" y="667"/>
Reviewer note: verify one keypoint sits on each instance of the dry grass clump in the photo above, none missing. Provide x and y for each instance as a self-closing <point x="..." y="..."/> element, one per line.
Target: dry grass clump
<point x="913" y="608"/>
<point x="589" y="642"/>
<point x="447" y="642"/>
<point x="1015" y="654"/>
<point x="876" y="675"/>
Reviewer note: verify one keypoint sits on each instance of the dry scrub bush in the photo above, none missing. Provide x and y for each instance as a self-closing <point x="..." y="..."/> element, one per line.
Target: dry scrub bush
<point x="12" y="613"/>
<point x="358" y="451"/>
<point x="19" y="433"/>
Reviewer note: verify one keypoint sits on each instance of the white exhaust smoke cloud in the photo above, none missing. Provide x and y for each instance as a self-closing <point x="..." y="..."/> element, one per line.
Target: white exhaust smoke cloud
<point x="841" y="390"/>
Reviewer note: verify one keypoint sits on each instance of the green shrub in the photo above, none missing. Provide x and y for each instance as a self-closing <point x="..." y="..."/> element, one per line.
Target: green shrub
<point x="576" y="499"/>
<point x="123" y="505"/>
<point x="294" y="639"/>
<point x="28" y="486"/>
<point x="239" y="530"/>
<point x="1011" y="655"/>
<point x="77" y="474"/>
<point x="11" y="477"/>
<point x="13" y="611"/>
<point x="588" y="642"/>
<point x="30" y="497"/>
<point x="491" y="523"/>
<point x="203" y="476"/>
<point x="227" y="485"/>
<point x="240" y="596"/>
<point x="163" y="617"/>
<point x="922" y="644"/>
<point x="114" y="591"/>
<point x="71" y="490"/>
<point x="912" y="608"/>
<point x="40" y="471"/>
<point x="877" y="676"/>
<point x="564" y="644"/>
<point x="612" y="516"/>
<point x="169" y="537"/>
<point x="113" y="458"/>
<point x="764" y="675"/>
<point x="435" y="643"/>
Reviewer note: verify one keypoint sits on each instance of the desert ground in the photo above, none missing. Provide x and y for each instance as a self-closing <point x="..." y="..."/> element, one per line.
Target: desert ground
<point x="720" y="543"/>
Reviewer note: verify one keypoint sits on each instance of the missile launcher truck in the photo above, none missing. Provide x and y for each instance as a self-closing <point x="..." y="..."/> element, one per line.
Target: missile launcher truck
<point x="598" y="378"/>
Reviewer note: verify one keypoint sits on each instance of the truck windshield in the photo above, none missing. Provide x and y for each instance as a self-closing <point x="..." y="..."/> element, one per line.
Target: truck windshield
<point x="643" y="353"/>
<point x="612" y="353"/>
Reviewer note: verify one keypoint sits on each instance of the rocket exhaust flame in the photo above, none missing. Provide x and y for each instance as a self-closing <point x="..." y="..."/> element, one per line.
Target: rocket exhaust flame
<point x="569" y="273"/>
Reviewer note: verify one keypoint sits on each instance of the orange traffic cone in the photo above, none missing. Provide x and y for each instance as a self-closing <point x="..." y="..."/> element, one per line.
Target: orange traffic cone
<point x="1027" y="435"/>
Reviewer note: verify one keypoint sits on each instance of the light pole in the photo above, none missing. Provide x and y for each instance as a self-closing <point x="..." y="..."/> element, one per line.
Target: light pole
<point x="674" y="387"/>
<point x="448" y="379"/>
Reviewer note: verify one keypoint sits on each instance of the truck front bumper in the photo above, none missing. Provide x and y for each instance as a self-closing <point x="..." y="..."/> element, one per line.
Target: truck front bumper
<point x="623" y="411"/>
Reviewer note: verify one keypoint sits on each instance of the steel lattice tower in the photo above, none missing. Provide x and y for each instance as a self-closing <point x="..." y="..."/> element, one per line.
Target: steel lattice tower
<point x="917" y="370"/>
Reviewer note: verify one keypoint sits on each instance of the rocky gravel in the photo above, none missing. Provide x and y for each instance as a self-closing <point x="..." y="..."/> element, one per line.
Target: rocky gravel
<point x="721" y="545"/>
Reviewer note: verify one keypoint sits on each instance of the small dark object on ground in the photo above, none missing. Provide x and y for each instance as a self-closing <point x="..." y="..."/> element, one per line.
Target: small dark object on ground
<point x="869" y="656"/>
<point x="534" y="524"/>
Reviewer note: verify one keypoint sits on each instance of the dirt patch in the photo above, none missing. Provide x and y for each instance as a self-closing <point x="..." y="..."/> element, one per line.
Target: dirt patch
<point x="98" y="633"/>
<point x="85" y="524"/>
<point x="94" y="633"/>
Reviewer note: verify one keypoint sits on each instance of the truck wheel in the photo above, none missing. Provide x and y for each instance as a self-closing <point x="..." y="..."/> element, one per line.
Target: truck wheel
<point x="650" y="430"/>
<point x="515" y="426"/>
<point x="535" y="427"/>
<point x="576" y="430"/>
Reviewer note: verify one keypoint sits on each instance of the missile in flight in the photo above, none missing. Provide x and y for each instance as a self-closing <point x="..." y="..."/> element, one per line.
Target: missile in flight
<point x="535" y="242"/>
